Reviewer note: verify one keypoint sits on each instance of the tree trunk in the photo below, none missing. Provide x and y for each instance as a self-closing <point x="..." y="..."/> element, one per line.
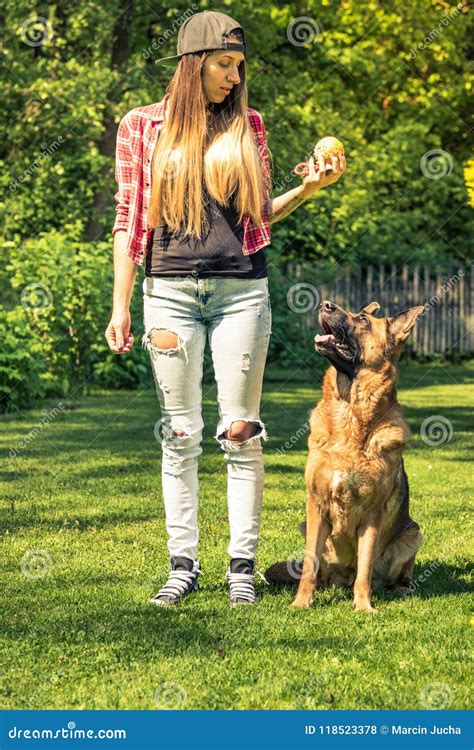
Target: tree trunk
<point x="120" y="54"/>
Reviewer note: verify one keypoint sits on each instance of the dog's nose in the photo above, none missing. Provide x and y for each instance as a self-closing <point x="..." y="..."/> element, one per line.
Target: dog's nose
<point x="328" y="306"/>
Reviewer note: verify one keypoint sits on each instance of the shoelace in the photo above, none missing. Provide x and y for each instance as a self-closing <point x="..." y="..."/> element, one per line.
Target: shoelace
<point x="241" y="586"/>
<point x="178" y="583"/>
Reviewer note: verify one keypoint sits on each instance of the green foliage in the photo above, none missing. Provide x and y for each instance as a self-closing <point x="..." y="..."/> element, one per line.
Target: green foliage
<point x="20" y="373"/>
<point x="132" y="370"/>
<point x="58" y="299"/>
<point x="392" y="83"/>
<point x="291" y="345"/>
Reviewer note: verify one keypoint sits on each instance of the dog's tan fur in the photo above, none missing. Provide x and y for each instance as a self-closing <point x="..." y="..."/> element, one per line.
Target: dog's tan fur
<point x="358" y="528"/>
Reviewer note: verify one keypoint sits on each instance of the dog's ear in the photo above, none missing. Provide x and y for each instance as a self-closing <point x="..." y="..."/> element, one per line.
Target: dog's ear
<point x="401" y="325"/>
<point x="371" y="308"/>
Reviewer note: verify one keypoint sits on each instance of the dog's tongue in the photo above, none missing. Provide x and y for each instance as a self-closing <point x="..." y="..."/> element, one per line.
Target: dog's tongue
<point x="325" y="338"/>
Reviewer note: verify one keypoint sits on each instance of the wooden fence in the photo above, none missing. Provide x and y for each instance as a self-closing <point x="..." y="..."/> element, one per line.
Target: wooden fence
<point x="447" y="324"/>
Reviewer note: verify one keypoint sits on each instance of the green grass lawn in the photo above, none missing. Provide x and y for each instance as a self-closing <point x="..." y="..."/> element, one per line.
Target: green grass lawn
<point x="85" y="491"/>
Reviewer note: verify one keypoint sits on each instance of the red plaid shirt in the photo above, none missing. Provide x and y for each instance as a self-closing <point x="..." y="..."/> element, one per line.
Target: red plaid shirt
<point x="136" y="139"/>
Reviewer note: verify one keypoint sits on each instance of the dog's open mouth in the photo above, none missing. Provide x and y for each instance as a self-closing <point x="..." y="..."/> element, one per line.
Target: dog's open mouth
<point x="334" y="340"/>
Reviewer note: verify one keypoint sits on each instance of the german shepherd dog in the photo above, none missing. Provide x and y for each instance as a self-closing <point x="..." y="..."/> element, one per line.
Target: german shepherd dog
<point x="358" y="528"/>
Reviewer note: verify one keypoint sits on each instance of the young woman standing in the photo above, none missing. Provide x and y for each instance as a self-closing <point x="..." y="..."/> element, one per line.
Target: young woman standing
<point x="194" y="209"/>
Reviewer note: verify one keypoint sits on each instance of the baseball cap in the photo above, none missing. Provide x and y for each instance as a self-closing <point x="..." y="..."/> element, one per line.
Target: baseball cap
<point x="208" y="30"/>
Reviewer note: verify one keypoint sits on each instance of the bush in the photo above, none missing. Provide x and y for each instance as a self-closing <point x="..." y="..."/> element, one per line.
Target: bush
<point x="58" y="294"/>
<point x="21" y="374"/>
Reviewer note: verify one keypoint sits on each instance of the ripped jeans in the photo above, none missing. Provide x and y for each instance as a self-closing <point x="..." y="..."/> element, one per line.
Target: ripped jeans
<point x="235" y="314"/>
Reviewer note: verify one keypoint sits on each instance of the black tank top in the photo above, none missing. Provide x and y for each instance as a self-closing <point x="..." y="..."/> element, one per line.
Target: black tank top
<point x="219" y="253"/>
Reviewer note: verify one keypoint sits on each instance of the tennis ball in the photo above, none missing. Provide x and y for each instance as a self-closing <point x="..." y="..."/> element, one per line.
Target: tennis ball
<point x="326" y="145"/>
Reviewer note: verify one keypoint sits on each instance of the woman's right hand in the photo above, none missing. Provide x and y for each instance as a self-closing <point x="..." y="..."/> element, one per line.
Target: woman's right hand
<point x="118" y="334"/>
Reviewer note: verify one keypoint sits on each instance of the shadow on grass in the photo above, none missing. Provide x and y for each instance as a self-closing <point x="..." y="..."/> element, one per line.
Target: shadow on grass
<point x="461" y="419"/>
<point x="412" y="375"/>
<point x="201" y="624"/>
<point x="124" y="440"/>
<point x="25" y="519"/>
<point x="433" y="578"/>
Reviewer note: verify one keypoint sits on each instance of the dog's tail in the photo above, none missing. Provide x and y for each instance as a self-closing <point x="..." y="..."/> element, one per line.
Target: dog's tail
<point x="284" y="573"/>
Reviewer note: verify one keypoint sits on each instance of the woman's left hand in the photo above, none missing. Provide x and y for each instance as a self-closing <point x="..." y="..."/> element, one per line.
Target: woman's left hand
<point x="315" y="176"/>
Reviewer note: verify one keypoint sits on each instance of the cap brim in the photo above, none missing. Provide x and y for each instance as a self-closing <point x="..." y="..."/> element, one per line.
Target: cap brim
<point x="170" y="59"/>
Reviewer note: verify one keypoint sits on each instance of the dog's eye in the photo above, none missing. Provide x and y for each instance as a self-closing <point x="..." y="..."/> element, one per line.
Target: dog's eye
<point x="363" y="319"/>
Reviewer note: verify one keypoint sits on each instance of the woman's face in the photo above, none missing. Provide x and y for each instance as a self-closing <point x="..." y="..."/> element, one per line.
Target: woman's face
<point x="220" y="74"/>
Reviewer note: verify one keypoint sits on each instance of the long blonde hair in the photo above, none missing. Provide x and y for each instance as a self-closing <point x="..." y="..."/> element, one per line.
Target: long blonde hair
<point x="196" y="152"/>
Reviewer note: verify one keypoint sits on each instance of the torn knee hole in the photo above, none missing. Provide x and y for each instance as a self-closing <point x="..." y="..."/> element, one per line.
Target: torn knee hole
<point x="240" y="431"/>
<point x="163" y="341"/>
<point x="162" y="338"/>
<point x="172" y="434"/>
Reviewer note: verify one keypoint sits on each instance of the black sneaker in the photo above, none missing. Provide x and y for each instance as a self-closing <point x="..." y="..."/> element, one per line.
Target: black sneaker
<point x="241" y="579"/>
<point x="182" y="580"/>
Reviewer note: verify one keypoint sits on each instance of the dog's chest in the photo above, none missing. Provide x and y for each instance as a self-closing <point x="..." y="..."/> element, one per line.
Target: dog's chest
<point x="346" y="490"/>
<point x="346" y="484"/>
<point x="341" y="482"/>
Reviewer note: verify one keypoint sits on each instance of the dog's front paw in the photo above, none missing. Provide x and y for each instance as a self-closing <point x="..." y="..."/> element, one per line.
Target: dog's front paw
<point x="363" y="606"/>
<point x="302" y="602"/>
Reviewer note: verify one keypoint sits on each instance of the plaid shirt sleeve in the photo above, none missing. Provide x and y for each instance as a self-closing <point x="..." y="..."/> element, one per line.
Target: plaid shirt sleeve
<point x="123" y="174"/>
<point x="265" y="154"/>
<point x="258" y="127"/>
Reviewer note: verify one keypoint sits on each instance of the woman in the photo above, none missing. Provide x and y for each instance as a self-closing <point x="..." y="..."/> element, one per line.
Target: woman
<point x="194" y="208"/>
